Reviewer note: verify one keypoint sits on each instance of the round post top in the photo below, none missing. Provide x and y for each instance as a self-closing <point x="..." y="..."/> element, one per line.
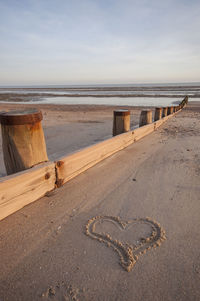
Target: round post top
<point x="121" y="112"/>
<point x="20" y="117"/>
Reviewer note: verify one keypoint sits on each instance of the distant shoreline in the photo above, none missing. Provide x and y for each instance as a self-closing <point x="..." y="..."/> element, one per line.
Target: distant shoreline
<point x="98" y="86"/>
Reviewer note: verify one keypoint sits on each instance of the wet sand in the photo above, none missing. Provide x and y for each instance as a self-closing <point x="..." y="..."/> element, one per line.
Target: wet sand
<point x="46" y="254"/>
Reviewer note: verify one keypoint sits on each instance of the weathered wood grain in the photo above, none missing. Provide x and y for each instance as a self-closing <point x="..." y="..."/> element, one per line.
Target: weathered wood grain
<point x="158" y="114"/>
<point x="25" y="187"/>
<point x="121" y="122"/>
<point x="145" y="117"/>
<point x="164" y="112"/>
<point x="70" y="166"/>
<point x="23" y="140"/>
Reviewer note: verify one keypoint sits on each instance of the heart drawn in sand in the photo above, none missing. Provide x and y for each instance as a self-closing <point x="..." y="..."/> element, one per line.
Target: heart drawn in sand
<point x="128" y="253"/>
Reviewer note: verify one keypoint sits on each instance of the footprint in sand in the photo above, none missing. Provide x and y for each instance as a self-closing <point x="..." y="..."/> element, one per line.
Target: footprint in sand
<point x="62" y="292"/>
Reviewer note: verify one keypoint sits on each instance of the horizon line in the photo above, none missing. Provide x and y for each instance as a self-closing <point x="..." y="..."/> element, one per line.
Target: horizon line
<point x="98" y="84"/>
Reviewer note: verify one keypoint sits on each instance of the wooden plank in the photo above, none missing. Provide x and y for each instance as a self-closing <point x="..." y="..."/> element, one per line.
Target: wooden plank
<point x="25" y="187"/>
<point x="158" y="123"/>
<point x="70" y="166"/>
<point x="143" y="131"/>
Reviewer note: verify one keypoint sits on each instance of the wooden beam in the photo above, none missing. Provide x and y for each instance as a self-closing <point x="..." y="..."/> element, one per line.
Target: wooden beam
<point x="143" y="131"/>
<point x="25" y="187"/>
<point x="70" y="166"/>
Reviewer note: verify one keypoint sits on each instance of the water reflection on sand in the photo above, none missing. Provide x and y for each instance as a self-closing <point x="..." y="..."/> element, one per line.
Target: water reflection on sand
<point x="114" y="101"/>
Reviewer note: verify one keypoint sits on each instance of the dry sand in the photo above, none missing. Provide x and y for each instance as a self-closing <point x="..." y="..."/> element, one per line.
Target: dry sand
<point x="68" y="128"/>
<point x="45" y="254"/>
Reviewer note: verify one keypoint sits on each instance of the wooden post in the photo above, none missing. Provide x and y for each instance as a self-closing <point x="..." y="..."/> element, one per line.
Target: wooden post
<point x="22" y="140"/>
<point x="158" y="114"/>
<point x="170" y="110"/>
<point x="145" y="117"/>
<point x="121" y="122"/>
<point x="186" y="99"/>
<point x="184" y="102"/>
<point x="164" y="112"/>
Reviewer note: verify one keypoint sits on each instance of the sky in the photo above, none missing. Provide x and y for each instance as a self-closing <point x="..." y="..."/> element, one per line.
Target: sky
<point x="99" y="41"/>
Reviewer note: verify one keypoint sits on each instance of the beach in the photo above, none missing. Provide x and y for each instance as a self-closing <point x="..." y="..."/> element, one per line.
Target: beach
<point x="99" y="150"/>
<point x="49" y="251"/>
<point x="78" y="116"/>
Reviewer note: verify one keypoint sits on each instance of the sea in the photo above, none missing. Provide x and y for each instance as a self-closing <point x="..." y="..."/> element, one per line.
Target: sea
<point x="115" y="94"/>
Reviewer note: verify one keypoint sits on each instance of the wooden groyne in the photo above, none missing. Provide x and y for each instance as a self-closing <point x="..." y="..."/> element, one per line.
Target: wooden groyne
<point x="27" y="186"/>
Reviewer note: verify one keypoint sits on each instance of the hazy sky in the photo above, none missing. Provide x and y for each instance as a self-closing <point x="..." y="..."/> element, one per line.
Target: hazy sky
<point x="99" y="41"/>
